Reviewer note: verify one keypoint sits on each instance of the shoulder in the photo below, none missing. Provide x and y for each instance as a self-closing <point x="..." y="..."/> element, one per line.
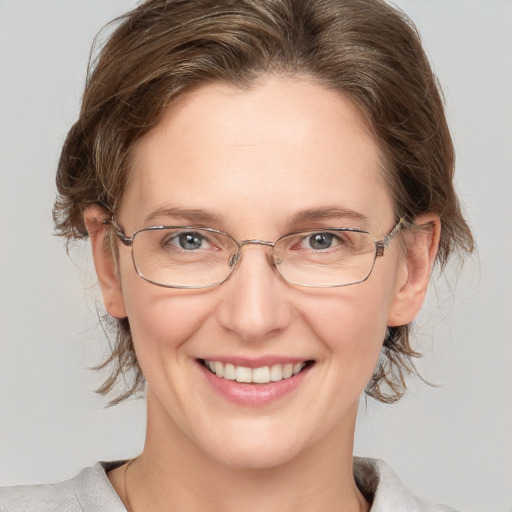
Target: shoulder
<point x="89" y="491"/>
<point x="377" y="481"/>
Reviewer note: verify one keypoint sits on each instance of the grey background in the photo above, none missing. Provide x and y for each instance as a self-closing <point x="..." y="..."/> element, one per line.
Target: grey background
<point x="451" y="443"/>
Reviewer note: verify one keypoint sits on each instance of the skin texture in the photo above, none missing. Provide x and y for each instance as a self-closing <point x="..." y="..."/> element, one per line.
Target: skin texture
<point x="254" y="160"/>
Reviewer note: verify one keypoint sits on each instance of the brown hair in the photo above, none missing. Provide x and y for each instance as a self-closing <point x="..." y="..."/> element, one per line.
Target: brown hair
<point x="365" y="49"/>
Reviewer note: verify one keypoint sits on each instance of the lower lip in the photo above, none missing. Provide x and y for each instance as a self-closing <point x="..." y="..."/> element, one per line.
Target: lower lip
<point x="253" y="395"/>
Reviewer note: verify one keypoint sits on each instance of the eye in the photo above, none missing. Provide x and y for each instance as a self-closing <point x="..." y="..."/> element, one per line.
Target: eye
<point x="190" y="241"/>
<point x="187" y="241"/>
<point x="320" y="241"/>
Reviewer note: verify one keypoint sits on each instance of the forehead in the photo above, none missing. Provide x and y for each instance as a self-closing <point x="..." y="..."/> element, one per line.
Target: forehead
<point x="279" y="147"/>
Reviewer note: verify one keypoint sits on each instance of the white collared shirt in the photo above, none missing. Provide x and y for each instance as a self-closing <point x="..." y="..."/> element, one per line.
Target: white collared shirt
<point x="91" y="491"/>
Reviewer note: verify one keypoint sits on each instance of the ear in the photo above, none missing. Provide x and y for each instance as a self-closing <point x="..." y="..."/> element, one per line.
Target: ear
<point x="104" y="262"/>
<point x="422" y="242"/>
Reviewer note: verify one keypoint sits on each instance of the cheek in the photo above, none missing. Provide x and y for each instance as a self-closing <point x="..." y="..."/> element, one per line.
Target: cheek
<point x="349" y="327"/>
<point x="350" y="324"/>
<point x="161" y="319"/>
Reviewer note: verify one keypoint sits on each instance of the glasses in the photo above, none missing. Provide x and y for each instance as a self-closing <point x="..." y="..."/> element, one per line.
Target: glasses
<point x="193" y="257"/>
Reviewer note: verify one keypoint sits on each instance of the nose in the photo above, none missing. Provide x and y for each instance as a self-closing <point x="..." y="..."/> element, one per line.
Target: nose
<point x="254" y="303"/>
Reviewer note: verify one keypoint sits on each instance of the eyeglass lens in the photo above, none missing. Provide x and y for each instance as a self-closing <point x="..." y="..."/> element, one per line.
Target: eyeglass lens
<point x="197" y="258"/>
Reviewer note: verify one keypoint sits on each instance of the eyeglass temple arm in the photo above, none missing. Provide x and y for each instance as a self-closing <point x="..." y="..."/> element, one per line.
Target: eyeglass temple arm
<point x="382" y="245"/>
<point x="118" y="230"/>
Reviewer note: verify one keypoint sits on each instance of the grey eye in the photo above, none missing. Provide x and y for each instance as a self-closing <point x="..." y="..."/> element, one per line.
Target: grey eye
<point x="190" y="241"/>
<point x="319" y="241"/>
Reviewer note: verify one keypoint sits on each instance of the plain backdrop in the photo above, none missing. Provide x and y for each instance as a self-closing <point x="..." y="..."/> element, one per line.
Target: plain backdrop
<point x="451" y="443"/>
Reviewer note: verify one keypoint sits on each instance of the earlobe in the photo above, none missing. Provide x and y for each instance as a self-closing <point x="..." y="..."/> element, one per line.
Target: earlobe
<point x="422" y="242"/>
<point x="104" y="262"/>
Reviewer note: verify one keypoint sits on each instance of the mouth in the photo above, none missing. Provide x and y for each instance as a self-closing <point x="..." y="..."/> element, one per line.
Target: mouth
<point x="260" y="375"/>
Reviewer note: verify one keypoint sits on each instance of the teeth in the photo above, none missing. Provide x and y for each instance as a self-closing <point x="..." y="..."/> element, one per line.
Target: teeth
<point x="276" y="373"/>
<point x="229" y="371"/>
<point x="243" y="374"/>
<point x="287" y="371"/>
<point x="262" y="375"/>
<point x="219" y="369"/>
<point x="297" y="368"/>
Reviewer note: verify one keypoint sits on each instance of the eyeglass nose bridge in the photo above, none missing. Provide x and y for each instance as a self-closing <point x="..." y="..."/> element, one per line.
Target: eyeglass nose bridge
<point x="237" y="256"/>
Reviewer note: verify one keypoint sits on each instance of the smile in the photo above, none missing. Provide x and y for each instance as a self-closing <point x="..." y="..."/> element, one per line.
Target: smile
<point x="261" y="375"/>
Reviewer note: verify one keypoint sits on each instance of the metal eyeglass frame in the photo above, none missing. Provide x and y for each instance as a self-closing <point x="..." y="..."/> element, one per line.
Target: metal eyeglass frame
<point x="380" y="249"/>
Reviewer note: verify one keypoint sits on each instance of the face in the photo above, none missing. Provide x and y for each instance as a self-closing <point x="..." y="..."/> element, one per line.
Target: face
<point x="284" y="155"/>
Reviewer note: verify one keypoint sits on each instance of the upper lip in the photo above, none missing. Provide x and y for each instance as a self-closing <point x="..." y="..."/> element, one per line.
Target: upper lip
<point x="257" y="362"/>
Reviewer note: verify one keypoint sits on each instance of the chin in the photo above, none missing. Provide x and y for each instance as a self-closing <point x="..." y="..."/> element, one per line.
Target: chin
<point x="254" y="448"/>
<point x="256" y="458"/>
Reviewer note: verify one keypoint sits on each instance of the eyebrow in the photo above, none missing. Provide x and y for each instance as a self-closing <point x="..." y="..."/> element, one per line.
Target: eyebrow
<point x="191" y="215"/>
<point x="304" y="216"/>
<point x="315" y="214"/>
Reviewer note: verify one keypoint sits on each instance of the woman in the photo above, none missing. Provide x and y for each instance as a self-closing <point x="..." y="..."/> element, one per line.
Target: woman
<point x="266" y="187"/>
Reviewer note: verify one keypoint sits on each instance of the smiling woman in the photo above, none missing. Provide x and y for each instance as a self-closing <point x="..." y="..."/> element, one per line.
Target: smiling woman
<point x="256" y="321"/>
<point x="266" y="186"/>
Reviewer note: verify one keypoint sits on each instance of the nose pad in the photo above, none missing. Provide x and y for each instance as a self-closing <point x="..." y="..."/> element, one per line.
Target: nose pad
<point x="275" y="260"/>
<point x="236" y="257"/>
<point x="233" y="259"/>
<point x="252" y="305"/>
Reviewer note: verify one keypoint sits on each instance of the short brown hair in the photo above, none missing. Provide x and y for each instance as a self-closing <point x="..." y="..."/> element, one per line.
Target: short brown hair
<point x="365" y="49"/>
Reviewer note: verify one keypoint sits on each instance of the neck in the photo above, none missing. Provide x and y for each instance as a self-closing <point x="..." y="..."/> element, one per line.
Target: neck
<point x="172" y="473"/>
